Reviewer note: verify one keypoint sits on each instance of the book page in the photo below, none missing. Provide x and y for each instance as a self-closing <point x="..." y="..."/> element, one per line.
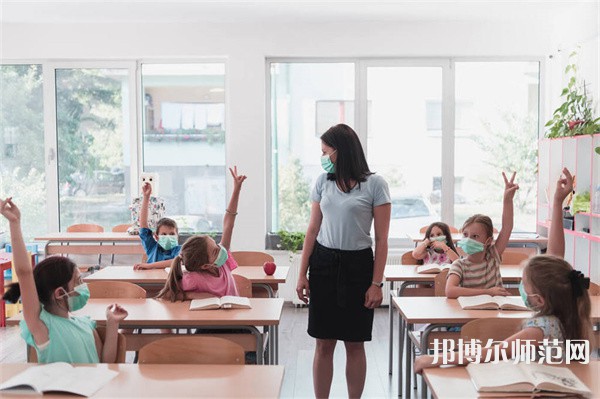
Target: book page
<point x="82" y="380"/>
<point x="37" y="377"/>
<point x="235" y="301"/>
<point x="554" y="378"/>
<point x="500" y="377"/>
<point x="431" y="268"/>
<point x="477" y="302"/>
<point x="206" y="303"/>
<point x="511" y="303"/>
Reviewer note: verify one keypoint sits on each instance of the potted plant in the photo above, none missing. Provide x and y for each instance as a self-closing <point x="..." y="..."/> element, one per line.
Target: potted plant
<point x="290" y="241"/>
<point x="575" y="116"/>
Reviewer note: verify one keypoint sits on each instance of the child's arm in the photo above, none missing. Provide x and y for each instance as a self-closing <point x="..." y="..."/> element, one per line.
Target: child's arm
<point x="530" y="334"/>
<point x="447" y="250"/>
<point x="146" y="191"/>
<point x="114" y="315"/>
<point x="510" y="188"/>
<point x="156" y="265"/>
<point x="22" y="264"/>
<point x="231" y="211"/>
<point x="454" y="290"/>
<point x="556" y="239"/>
<point x="420" y="252"/>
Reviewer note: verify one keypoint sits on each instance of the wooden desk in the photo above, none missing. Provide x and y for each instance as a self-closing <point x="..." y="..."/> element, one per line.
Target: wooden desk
<point x="92" y="243"/>
<point x="157" y="314"/>
<point x="155" y="278"/>
<point x="454" y="382"/>
<point x="515" y="240"/>
<point x="177" y="381"/>
<point x="407" y="275"/>
<point x="444" y="312"/>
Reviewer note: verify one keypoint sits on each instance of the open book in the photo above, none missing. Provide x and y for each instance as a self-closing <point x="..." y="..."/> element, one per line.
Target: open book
<point x="432" y="268"/>
<point x="58" y="377"/>
<point x="491" y="302"/>
<point x="225" y="302"/>
<point x="529" y="378"/>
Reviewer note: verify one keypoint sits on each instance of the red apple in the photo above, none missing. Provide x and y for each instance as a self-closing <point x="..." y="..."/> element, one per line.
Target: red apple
<point x="269" y="268"/>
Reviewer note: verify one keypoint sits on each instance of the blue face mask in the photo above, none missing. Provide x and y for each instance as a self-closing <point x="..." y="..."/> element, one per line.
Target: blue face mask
<point x="79" y="300"/>
<point x="524" y="295"/>
<point x="222" y="257"/>
<point x="470" y="246"/>
<point x="168" y="242"/>
<point x="327" y="164"/>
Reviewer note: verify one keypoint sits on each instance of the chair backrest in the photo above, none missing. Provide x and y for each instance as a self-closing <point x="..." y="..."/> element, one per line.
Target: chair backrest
<point x="439" y="283"/>
<point x="594" y="289"/>
<point x="121" y="347"/>
<point x="121" y="228"/>
<point x="192" y="350"/>
<point x="85" y="228"/>
<point x="251" y="258"/>
<point x="243" y="285"/>
<point x="408" y="259"/>
<point x="115" y="289"/>
<point x="453" y="230"/>
<point x="513" y="257"/>
<point x="491" y="328"/>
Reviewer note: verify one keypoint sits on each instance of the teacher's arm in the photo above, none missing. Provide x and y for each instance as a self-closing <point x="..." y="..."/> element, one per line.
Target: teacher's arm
<point x="310" y="238"/>
<point x="381" y="216"/>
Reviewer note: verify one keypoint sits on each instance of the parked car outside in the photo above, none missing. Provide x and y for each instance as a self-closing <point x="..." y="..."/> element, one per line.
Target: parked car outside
<point x="410" y="213"/>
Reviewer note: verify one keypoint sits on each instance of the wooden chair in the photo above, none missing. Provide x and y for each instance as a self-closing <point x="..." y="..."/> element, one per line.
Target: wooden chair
<point x="453" y="230"/>
<point x="510" y="257"/>
<point x="85" y="228"/>
<point x="115" y="289"/>
<point x="192" y="350"/>
<point x="120" y="228"/>
<point x="121" y="347"/>
<point x="243" y="285"/>
<point x="408" y="259"/>
<point x="439" y="283"/>
<point x="491" y="328"/>
<point x="255" y="258"/>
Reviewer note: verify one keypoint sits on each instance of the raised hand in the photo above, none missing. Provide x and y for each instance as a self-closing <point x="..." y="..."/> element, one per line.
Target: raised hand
<point x="147" y="189"/>
<point x="510" y="187"/>
<point x="564" y="186"/>
<point x="9" y="210"/>
<point x="237" y="179"/>
<point x="115" y="313"/>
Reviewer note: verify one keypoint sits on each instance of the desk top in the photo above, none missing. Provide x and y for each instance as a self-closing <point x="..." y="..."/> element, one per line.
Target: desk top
<point x="514" y="239"/>
<point x="454" y="382"/>
<point x="88" y="237"/>
<point x="173" y="381"/>
<point x="509" y="273"/>
<point x="156" y="313"/>
<point x="439" y="309"/>
<point x="255" y="274"/>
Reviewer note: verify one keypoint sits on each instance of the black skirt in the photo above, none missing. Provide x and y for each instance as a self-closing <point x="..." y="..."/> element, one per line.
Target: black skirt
<point x="338" y="281"/>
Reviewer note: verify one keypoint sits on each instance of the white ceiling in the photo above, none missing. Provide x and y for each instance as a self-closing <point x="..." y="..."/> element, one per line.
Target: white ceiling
<point x="329" y="11"/>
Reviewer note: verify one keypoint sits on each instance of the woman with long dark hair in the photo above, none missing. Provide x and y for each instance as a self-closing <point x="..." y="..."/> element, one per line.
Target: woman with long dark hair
<point x="345" y="279"/>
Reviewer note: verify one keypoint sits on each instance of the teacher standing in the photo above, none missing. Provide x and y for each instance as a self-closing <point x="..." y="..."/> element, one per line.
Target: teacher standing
<point x="345" y="281"/>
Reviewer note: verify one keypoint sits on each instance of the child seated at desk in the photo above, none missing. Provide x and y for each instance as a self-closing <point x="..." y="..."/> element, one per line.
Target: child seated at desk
<point x="552" y="288"/>
<point x="437" y="247"/>
<point x="208" y="264"/>
<point x="479" y="272"/>
<point x="161" y="247"/>
<point x="49" y="293"/>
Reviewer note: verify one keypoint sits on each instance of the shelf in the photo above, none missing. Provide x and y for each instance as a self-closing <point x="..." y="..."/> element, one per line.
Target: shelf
<point x="582" y="234"/>
<point x="594" y="215"/>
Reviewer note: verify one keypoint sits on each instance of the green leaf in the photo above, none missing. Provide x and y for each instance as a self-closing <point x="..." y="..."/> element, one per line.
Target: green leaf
<point x="598" y="150"/>
<point x="565" y="91"/>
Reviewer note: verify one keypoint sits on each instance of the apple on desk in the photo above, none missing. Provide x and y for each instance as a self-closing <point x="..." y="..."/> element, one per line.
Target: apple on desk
<point x="269" y="268"/>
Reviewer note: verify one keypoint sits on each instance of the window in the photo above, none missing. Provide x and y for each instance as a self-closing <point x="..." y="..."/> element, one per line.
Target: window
<point x="502" y="136"/>
<point x="184" y="140"/>
<point x="22" y="173"/>
<point x="92" y="113"/>
<point x="306" y="100"/>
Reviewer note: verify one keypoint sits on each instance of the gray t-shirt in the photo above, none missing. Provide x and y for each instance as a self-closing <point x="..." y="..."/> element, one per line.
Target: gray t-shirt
<point x="347" y="217"/>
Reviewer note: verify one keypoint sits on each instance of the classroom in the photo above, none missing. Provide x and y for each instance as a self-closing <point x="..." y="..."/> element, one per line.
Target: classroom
<point x="214" y="193"/>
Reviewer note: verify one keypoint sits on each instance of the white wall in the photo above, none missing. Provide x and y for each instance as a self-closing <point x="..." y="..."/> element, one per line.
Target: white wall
<point x="245" y="46"/>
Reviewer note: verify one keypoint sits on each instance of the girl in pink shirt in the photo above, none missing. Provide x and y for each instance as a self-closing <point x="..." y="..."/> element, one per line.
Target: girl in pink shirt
<point x="208" y="265"/>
